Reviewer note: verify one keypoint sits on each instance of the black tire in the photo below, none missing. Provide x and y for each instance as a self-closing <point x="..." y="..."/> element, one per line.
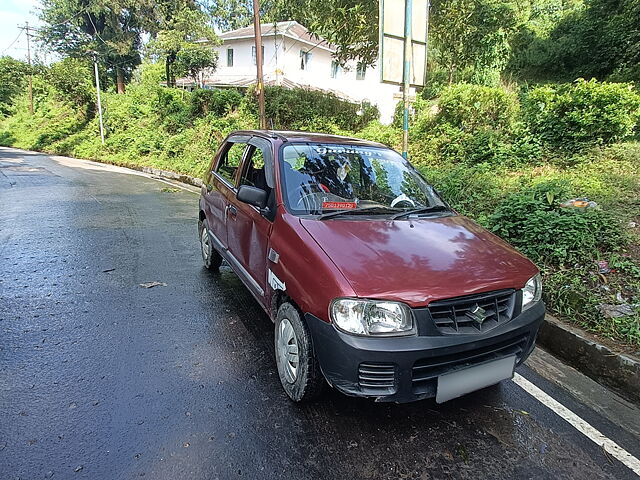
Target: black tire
<point x="308" y="382"/>
<point x="210" y="257"/>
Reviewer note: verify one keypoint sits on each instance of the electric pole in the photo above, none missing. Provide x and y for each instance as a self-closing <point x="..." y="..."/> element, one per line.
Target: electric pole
<point x="26" y="27"/>
<point x="259" y="80"/>
<point x="95" y="68"/>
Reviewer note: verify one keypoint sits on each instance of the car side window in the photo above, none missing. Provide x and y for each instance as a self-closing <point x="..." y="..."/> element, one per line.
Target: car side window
<point x="254" y="172"/>
<point x="230" y="162"/>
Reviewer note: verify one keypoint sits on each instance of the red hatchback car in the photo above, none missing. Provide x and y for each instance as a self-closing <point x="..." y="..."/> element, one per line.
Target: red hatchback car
<point x="373" y="282"/>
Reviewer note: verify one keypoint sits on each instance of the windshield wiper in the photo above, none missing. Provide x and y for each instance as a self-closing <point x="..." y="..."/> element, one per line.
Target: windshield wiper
<point x="358" y="211"/>
<point x="417" y="211"/>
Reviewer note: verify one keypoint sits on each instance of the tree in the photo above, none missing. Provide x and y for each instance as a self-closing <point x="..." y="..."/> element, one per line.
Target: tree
<point x="601" y="40"/>
<point x="474" y="35"/>
<point x="193" y="59"/>
<point x="81" y="28"/>
<point x="232" y="14"/>
<point x="181" y="24"/>
<point x="350" y="25"/>
<point x="530" y="46"/>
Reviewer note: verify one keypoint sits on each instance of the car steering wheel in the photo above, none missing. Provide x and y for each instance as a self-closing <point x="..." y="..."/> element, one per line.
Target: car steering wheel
<point x="402" y="201"/>
<point x="303" y="200"/>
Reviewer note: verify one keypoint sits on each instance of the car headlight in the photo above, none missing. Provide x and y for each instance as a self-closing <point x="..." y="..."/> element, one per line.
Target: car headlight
<point x="532" y="292"/>
<point x="372" y="317"/>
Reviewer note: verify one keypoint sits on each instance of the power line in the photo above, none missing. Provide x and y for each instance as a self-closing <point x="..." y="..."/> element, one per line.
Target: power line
<point x="12" y="43"/>
<point x="82" y="10"/>
<point x="96" y="31"/>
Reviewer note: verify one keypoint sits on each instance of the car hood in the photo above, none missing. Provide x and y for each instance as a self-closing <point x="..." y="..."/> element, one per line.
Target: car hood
<point x="418" y="261"/>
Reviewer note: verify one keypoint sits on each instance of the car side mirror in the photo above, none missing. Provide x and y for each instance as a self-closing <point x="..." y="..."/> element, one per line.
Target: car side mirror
<point x="253" y="196"/>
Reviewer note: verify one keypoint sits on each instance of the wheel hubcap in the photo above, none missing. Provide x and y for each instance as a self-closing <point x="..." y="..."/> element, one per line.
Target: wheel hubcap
<point x="204" y="242"/>
<point x="287" y="346"/>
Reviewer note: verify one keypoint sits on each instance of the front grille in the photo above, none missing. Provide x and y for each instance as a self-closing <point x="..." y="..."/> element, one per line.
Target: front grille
<point x="454" y="315"/>
<point x="377" y="378"/>
<point x="426" y="371"/>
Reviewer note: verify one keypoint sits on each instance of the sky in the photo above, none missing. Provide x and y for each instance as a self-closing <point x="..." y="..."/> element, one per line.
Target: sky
<point x="12" y="14"/>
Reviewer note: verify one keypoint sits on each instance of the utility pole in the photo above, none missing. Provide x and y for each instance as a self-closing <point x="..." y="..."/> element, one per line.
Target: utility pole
<point x="259" y="80"/>
<point x="95" y="68"/>
<point x="406" y="76"/>
<point x="26" y="27"/>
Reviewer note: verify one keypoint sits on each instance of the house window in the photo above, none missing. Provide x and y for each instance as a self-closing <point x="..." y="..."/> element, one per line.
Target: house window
<point x="229" y="57"/>
<point x="304" y="59"/>
<point x="334" y="69"/>
<point x="361" y="69"/>
<point x="253" y="54"/>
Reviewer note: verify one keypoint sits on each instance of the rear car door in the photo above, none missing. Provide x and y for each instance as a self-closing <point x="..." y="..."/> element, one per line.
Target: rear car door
<point x="222" y="186"/>
<point x="248" y="228"/>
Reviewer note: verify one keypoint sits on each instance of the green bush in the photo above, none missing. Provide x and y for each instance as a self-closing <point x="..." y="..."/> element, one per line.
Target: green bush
<point x="474" y="107"/>
<point x="71" y="79"/>
<point x="13" y="75"/>
<point x="219" y="102"/>
<point x="385" y="134"/>
<point x="533" y="221"/>
<point x="304" y="109"/>
<point x="436" y="81"/>
<point x="572" y="115"/>
<point x="172" y="109"/>
<point x="473" y="124"/>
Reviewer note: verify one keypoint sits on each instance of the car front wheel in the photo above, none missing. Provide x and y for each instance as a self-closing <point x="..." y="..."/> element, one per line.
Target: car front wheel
<point x="298" y="367"/>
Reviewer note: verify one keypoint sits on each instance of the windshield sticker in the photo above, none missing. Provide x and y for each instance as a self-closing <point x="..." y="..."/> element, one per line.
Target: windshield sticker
<point x="346" y="150"/>
<point x="339" y="205"/>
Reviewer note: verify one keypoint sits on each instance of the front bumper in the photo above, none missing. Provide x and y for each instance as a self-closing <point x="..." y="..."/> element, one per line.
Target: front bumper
<point x="404" y="369"/>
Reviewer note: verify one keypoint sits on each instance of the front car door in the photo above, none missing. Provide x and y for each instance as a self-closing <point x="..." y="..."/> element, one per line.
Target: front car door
<point x="248" y="228"/>
<point x="222" y="186"/>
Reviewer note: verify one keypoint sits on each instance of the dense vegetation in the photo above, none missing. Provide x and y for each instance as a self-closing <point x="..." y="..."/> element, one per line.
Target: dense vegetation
<point x="506" y="127"/>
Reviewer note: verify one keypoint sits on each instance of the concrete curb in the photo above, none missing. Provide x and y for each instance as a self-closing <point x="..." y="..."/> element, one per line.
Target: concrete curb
<point x="617" y="371"/>
<point x="169" y="175"/>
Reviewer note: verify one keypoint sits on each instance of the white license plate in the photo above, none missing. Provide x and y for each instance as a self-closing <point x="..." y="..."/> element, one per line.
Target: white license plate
<point x="461" y="382"/>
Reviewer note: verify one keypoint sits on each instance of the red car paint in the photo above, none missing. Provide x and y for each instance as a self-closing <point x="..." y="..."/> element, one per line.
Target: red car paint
<point x="415" y="261"/>
<point x="420" y="260"/>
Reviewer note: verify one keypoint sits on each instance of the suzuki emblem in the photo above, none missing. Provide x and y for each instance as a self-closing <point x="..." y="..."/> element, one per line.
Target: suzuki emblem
<point x="478" y="314"/>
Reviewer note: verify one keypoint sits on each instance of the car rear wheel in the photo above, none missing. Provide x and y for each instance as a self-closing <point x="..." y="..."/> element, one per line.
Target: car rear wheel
<point x="298" y="367"/>
<point x="212" y="259"/>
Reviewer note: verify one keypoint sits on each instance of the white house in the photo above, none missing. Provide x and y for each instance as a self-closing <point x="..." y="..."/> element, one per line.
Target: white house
<point x="293" y="57"/>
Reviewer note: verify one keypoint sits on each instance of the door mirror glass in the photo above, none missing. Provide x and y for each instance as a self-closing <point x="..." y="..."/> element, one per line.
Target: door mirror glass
<point x="253" y="196"/>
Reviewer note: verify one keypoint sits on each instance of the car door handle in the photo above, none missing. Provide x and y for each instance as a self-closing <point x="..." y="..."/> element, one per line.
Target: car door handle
<point x="233" y="211"/>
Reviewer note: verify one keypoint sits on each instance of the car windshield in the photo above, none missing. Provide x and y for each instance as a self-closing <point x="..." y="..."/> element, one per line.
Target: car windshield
<point x="322" y="178"/>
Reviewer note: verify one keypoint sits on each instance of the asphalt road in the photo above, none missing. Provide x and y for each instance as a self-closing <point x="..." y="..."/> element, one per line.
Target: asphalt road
<point x="103" y="379"/>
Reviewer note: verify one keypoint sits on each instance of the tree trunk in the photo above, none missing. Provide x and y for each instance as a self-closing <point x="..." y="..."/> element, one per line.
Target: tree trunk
<point x="171" y="79"/>
<point x="120" y="79"/>
<point x="167" y="71"/>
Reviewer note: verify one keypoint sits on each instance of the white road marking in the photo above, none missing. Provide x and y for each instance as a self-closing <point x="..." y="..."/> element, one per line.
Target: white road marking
<point x="611" y="447"/>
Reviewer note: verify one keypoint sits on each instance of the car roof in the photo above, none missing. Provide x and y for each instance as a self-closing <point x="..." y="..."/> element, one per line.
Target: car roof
<point x="295" y="136"/>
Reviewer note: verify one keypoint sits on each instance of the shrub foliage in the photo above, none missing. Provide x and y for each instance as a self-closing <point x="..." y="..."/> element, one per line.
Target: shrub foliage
<point x="572" y="115"/>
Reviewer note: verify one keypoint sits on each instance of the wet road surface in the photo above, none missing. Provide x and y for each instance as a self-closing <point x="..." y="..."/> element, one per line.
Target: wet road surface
<point x="103" y="379"/>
